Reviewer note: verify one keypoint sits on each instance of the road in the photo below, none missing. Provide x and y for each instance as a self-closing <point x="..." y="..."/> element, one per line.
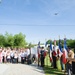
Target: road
<point x="20" y="69"/>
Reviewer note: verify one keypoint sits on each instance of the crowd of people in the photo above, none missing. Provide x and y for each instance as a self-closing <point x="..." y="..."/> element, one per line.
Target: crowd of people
<point x="65" y="60"/>
<point x="14" y="55"/>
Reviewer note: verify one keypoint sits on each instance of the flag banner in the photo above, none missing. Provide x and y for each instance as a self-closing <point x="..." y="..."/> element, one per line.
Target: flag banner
<point x="59" y="54"/>
<point x="38" y="49"/>
<point x="54" y="42"/>
<point x="59" y="51"/>
<point x="45" y="43"/>
<point x="50" y="51"/>
<point x="39" y="44"/>
<point x="65" y="55"/>
<point x="54" y="51"/>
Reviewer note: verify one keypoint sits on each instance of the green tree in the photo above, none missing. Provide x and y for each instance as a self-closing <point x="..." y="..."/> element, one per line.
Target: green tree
<point x="71" y="43"/>
<point x="48" y="41"/>
<point x="9" y="42"/>
<point x="19" y="40"/>
<point x="2" y="40"/>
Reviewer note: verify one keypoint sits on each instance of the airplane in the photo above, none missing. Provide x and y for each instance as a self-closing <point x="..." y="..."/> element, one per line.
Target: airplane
<point x="55" y="13"/>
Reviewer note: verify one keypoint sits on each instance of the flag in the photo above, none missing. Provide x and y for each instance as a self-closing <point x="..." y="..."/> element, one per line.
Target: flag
<point x="39" y="44"/>
<point x="46" y="44"/>
<point x="60" y="48"/>
<point x="50" y="51"/>
<point x="45" y="52"/>
<point x="59" y="54"/>
<point x="65" y="55"/>
<point x="54" y="42"/>
<point x="65" y="45"/>
<point x="54" y="49"/>
<point x="65" y="48"/>
<point x="59" y="44"/>
<point x="38" y="49"/>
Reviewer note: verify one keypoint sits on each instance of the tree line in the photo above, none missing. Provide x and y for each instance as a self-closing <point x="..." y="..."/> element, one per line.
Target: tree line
<point x="69" y="42"/>
<point x="19" y="40"/>
<point x="9" y="40"/>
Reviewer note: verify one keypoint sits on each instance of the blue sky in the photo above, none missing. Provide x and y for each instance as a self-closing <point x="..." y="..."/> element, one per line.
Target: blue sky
<point x="37" y="20"/>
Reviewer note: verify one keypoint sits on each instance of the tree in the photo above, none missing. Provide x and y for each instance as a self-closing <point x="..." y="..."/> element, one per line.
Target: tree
<point x="19" y="40"/>
<point x="48" y="41"/>
<point x="71" y="43"/>
<point x="9" y="40"/>
<point x="2" y="40"/>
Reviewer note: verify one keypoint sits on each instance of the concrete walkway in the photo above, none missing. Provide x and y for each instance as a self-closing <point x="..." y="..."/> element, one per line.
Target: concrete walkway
<point x="20" y="69"/>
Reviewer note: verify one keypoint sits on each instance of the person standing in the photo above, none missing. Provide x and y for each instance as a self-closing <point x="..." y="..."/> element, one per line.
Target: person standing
<point x="0" y="56"/>
<point x="69" y="61"/>
<point x="8" y="57"/>
<point x="3" y="55"/>
<point x="42" y="56"/>
<point x="25" y="55"/>
<point x="15" y="57"/>
<point x="22" y="57"/>
<point x="54" y="54"/>
<point x="12" y="56"/>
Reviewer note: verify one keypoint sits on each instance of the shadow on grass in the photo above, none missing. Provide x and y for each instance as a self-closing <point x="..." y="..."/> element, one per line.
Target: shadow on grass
<point x="52" y="71"/>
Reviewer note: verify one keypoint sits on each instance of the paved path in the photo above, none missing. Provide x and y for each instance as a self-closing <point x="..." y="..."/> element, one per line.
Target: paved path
<point x="20" y="69"/>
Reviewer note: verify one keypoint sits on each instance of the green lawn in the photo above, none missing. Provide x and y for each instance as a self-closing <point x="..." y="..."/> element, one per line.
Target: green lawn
<point x="52" y="71"/>
<point x="49" y="70"/>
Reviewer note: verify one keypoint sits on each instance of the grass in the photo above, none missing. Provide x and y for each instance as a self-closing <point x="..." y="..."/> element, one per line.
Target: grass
<point x="49" y="70"/>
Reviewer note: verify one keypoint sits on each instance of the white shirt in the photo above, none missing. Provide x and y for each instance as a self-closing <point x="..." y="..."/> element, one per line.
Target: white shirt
<point x="22" y="54"/>
<point x="28" y="52"/>
<point x="12" y="54"/>
<point x="25" y="53"/>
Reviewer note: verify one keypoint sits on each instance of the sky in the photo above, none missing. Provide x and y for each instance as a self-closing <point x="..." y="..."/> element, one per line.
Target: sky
<point x="37" y="20"/>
